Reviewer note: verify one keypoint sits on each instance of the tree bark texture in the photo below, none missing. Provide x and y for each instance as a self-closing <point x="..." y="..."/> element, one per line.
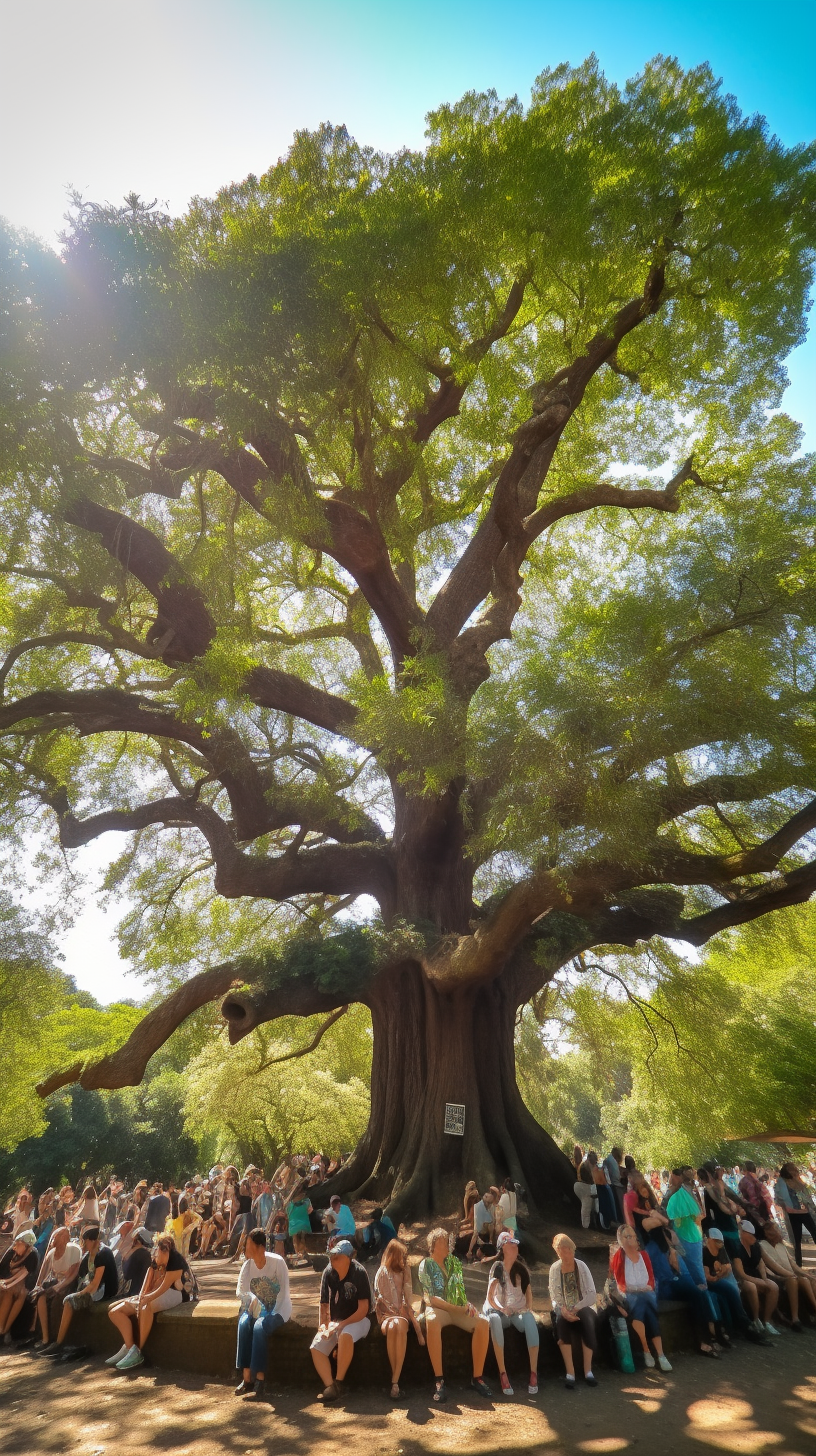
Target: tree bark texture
<point x="432" y="1048"/>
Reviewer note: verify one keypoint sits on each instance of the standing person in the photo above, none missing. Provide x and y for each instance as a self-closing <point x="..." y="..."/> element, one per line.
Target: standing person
<point x="509" y="1302"/>
<point x="607" y="1208"/>
<point x="572" y="1296"/>
<point x="263" y="1205"/>
<point x="394" y="1307"/>
<point x="345" y="1305"/>
<point x="757" y="1290"/>
<point x="684" y="1210"/>
<point x="162" y="1289"/>
<point x="446" y="1303"/>
<point x="18" y="1276"/>
<point x="159" y="1209"/>
<point x="634" y="1276"/>
<point x="263" y="1286"/>
<point x="755" y="1196"/>
<point x="376" y="1234"/>
<point x="642" y="1210"/>
<point x="55" y="1279"/>
<point x="65" y="1202"/>
<point x="792" y="1195"/>
<point x="612" y="1169"/>
<point x="587" y="1194"/>
<point x="577" y="1157"/>
<point x="723" y="1210"/>
<point x="299" y="1222"/>
<point x="240" y="1223"/>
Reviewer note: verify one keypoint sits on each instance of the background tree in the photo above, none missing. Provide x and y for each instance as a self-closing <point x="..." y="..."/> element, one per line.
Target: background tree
<point x="416" y="528"/>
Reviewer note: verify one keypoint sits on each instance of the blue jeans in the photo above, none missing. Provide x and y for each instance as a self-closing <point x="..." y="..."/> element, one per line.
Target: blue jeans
<point x="693" y="1255"/>
<point x="252" y="1337"/>
<point x="725" y="1297"/>
<point x="642" y="1305"/>
<point x="681" y="1286"/>
<point x="525" y="1322"/>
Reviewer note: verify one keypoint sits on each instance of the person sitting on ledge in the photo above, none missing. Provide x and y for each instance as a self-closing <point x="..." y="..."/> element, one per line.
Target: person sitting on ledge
<point x="785" y="1271"/>
<point x="162" y="1289"/>
<point x="18" y="1275"/>
<point x="572" y="1296"/>
<point x="345" y="1304"/>
<point x="510" y="1302"/>
<point x="753" y="1281"/>
<point x="339" y="1219"/>
<point x="98" y="1281"/>
<point x="633" y="1274"/>
<point x="56" y="1278"/>
<point x="446" y="1303"/>
<point x="394" y="1308"/>
<point x="263" y="1285"/>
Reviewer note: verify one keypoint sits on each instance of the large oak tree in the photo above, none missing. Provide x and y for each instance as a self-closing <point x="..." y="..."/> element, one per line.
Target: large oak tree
<point x="419" y="528"/>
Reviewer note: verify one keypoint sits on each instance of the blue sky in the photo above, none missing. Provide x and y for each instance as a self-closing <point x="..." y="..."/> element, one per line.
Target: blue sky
<point x="175" y="97"/>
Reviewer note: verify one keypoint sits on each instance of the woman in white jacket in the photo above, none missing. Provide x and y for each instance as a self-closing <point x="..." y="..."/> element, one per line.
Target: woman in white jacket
<point x="572" y="1295"/>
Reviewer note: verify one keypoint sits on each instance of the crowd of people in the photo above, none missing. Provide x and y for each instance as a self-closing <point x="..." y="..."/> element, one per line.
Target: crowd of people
<point x="727" y="1242"/>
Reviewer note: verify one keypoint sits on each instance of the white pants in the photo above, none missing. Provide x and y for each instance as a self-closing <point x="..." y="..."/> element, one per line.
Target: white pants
<point x="587" y="1195"/>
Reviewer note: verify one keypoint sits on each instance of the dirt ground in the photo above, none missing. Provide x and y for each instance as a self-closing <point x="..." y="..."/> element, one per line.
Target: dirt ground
<point x="753" y="1401"/>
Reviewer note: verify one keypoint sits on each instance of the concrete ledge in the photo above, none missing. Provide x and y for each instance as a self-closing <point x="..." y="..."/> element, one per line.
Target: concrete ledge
<point x="201" y="1338"/>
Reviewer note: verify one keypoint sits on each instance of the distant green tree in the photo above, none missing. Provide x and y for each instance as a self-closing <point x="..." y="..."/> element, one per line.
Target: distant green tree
<point x="422" y="528"/>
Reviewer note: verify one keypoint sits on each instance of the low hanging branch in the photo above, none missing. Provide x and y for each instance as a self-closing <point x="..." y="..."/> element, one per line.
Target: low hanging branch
<point x="304" y="1051"/>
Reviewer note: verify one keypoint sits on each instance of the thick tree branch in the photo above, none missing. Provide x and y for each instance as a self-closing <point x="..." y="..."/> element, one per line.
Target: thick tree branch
<point x="524" y="471"/>
<point x="286" y="693"/>
<point x="126" y="1067"/>
<point x="183" y="624"/>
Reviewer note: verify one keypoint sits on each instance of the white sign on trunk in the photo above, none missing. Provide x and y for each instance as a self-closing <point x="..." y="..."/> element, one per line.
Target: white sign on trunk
<point x="455" y="1118"/>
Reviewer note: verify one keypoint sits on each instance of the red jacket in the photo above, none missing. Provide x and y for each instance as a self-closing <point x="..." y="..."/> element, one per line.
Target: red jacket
<point x="616" y="1264"/>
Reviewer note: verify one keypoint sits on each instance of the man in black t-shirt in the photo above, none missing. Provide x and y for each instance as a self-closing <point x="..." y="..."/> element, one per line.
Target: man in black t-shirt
<point x="345" y="1304"/>
<point x="137" y="1263"/>
<point x="158" y="1210"/>
<point x="755" y="1286"/>
<point x="98" y="1282"/>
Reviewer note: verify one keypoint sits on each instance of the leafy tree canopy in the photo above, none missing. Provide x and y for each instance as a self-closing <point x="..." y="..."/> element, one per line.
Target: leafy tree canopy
<point x="423" y="527"/>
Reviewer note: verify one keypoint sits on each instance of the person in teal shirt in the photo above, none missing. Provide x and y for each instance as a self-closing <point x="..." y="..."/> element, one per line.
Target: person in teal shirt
<point x="686" y="1214"/>
<point x="340" y="1219"/>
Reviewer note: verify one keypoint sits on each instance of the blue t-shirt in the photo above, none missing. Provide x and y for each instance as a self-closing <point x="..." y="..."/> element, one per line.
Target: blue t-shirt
<point x="345" y="1221"/>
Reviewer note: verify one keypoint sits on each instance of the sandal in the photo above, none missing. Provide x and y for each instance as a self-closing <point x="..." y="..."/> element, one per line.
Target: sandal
<point x="395" y="1391"/>
<point x="707" y="1350"/>
<point x="440" y="1394"/>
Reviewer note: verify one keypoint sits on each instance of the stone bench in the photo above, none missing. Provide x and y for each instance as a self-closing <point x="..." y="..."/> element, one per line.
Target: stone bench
<point x="201" y="1338"/>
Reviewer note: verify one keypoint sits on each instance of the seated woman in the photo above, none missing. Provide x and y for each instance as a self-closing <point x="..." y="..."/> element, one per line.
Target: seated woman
<point x="18" y="1275"/>
<point x="263" y="1287"/>
<point x="634" y="1276"/>
<point x="674" y="1280"/>
<point x="446" y="1303"/>
<point x="642" y="1209"/>
<point x="162" y="1289"/>
<point x="394" y="1307"/>
<point x="510" y="1302"/>
<point x="572" y="1296"/>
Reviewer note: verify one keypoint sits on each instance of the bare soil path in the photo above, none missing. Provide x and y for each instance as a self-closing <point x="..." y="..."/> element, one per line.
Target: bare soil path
<point x="754" y="1401"/>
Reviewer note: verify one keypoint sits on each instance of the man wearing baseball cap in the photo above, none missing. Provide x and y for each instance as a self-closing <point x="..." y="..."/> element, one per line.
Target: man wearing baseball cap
<point x="345" y="1305"/>
<point x="339" y="1219"/>
<point x="18" y="1275"/>
<point x="752" y="1277"/>
<point x="724" y="1290"/>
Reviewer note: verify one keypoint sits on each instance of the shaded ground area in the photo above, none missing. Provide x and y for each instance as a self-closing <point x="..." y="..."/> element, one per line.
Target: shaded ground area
<point x="753" y="1401"/>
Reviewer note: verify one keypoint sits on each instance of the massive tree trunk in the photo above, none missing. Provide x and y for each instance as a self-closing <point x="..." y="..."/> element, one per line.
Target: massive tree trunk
<point x="433" y="1048"/>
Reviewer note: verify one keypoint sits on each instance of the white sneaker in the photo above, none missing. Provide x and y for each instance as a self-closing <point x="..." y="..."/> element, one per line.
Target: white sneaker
<point x="120" y="1355"/>
<point x="663" y="1362"/>
<point x="133" y="1358"/>
<point x="648" y="1360"/>
<point x="769" y="1329"/>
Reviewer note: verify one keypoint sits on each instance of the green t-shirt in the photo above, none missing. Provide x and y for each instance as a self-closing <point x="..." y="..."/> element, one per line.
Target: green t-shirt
<point x="447" y="1283"/>
<point x="684" y="1210"/>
